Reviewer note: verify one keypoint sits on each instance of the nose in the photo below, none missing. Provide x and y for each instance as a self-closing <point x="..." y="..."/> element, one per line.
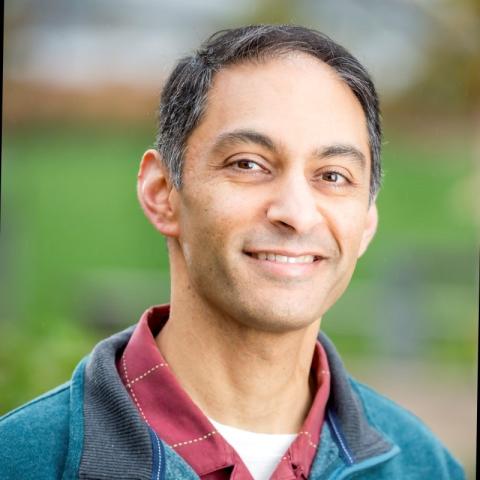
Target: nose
<point x="293" y="205"/>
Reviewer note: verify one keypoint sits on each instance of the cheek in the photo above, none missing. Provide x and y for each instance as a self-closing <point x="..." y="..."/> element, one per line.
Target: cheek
<point x="347" y="226"/>
<point x="208" y="218"/>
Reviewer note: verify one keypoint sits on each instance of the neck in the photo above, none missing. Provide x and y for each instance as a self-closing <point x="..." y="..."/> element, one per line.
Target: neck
<point x="239" y="376"/>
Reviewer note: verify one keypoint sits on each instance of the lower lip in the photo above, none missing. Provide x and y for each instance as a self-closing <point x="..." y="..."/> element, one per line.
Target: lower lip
<point x="289" y="270"/>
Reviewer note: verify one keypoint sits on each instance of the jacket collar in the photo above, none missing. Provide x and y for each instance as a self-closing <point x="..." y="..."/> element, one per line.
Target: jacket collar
<point x="117" y="442"/>
<point x="356" y="438"/>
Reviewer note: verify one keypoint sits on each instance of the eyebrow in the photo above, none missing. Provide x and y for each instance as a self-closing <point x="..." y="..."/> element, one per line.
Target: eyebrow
<point x="238" y="137"/>
<point x="342" y="150"/>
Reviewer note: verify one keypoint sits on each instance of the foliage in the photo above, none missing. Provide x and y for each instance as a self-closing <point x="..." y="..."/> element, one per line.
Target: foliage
<point x="80" y="261"/>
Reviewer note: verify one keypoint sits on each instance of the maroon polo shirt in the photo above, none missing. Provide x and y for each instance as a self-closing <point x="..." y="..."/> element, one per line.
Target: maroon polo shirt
<point x="168" y="409"/>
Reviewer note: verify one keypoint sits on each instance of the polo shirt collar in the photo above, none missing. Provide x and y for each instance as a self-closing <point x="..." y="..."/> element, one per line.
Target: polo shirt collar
<point x="171" y="413"/>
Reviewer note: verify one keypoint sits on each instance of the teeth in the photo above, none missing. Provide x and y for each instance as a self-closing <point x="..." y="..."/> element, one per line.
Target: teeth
<point x="272" y="257"/>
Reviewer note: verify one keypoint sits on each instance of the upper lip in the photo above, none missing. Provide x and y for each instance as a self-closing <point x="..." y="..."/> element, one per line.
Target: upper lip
<point x="286" y="253"/>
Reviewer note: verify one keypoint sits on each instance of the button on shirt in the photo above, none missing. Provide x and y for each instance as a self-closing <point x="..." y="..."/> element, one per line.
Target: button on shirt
<point x="167" y="409"/>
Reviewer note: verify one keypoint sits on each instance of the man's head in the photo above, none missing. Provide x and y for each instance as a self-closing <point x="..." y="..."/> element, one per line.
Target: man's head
<point x="185" y="93"/>
<point x="263" y="181"/>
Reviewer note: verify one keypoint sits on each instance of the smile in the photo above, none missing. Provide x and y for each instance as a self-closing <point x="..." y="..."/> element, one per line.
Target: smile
<point x="278" y="258"/>
<point x="284" y="264"/>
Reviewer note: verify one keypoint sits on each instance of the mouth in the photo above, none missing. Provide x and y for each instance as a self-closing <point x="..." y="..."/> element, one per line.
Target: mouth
<point x="285" y="258"/>
<point x="284" y="265"/>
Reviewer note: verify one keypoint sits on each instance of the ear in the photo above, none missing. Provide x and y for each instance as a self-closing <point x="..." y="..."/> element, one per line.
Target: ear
<point x="156" y="194"/>
<point x="370" y="228"/>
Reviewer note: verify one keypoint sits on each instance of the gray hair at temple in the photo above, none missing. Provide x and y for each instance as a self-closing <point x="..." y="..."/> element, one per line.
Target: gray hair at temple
<point x="184" y="96"/>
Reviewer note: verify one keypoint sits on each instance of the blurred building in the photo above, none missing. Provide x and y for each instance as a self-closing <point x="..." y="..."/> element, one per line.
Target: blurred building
<point x="133" y="43"/>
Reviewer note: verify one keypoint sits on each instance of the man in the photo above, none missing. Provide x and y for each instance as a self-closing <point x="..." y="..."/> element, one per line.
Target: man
<point x="264" y="184"/>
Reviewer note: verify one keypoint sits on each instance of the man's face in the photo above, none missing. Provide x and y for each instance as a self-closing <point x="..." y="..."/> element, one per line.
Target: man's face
<point x="274" y="209"/>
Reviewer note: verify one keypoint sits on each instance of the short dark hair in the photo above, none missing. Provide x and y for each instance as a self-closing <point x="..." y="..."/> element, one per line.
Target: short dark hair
<point x="184" y="95"/>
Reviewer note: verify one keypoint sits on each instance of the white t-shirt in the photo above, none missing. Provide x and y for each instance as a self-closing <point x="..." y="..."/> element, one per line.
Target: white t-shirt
<point x="261" y="452"/>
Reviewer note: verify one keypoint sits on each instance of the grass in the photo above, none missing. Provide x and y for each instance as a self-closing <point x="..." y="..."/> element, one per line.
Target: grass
<point x="79" y="260"/>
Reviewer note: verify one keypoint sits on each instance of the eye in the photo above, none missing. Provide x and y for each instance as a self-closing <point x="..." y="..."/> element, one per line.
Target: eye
<point x="334" y="177"/>
<point x="247" y="167"/>
<point x="245" y="164"/>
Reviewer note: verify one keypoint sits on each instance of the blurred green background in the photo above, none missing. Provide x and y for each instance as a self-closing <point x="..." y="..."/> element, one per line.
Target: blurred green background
<point x="78" y="260"/>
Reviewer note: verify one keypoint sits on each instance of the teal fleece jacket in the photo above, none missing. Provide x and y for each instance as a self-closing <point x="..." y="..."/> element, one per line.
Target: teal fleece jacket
<point x="89" y="428"/>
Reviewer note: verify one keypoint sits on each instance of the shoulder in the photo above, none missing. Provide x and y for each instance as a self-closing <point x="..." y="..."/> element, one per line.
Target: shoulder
<point x="34" y="437"/>
<point x="391" y="418"/>
<point x="419" y="447"/>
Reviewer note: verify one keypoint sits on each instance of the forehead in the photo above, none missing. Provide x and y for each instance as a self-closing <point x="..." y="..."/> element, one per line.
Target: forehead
<point x="295" y="99"/>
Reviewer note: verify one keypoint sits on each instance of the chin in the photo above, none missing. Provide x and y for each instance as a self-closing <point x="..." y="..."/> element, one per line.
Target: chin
<point x="279" y="318"/>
